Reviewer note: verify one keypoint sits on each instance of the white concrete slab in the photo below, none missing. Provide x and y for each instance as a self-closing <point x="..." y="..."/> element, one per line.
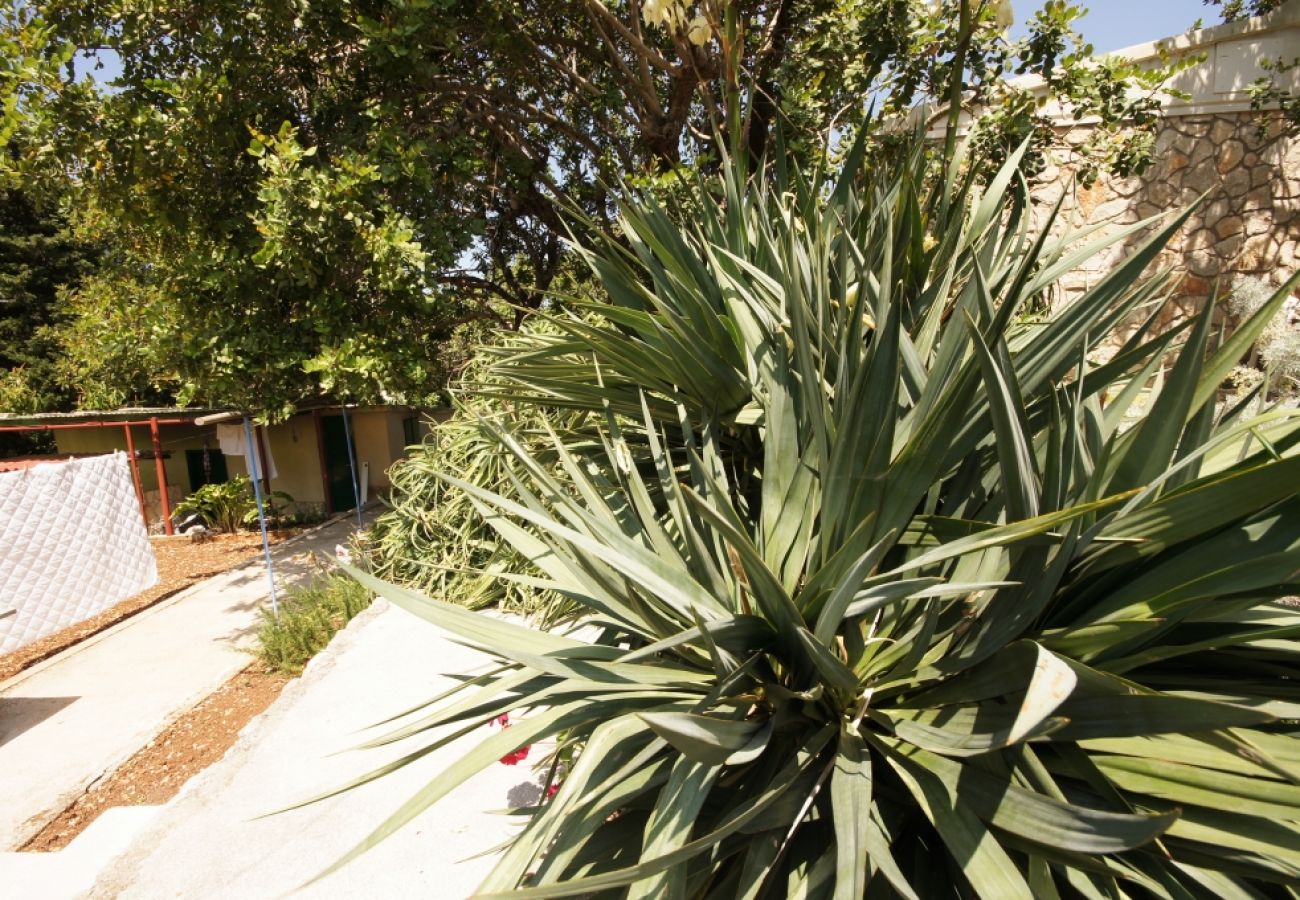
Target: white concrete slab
<point x="76" y="717"/>
<point x="208" y="843"/>
<point x="71" y="872"/>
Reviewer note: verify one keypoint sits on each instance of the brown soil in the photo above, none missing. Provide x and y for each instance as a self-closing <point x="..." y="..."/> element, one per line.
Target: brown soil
<point x="193" y="742"/>
<point x="181" y="562"/>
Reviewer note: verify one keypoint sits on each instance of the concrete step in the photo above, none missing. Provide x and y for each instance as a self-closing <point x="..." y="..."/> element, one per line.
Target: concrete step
<point x="72" y="871"/>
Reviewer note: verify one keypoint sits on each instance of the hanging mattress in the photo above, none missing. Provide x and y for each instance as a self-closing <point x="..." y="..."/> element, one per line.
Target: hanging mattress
<point x="72" y="544"/>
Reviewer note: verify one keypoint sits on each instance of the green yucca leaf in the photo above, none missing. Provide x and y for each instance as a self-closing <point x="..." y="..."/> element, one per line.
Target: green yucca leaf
<point x="890" y="586"/>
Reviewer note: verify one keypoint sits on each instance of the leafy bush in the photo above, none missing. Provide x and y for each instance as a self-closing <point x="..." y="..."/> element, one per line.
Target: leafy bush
<point x="432" y="538"/>
<point x="891" y="594"/>
<point x="225" y="506"/>
<point x="310" y="615"/>
<point x="232" y="505"/>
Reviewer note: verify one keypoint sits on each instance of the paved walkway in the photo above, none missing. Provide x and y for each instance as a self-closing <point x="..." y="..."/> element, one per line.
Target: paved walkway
<point x="209" y="842"/>
<point x="77" y="716"/>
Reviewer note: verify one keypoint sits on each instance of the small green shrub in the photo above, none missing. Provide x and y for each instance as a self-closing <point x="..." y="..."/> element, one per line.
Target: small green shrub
<point x="232" y="506"/>
<point x="310" y="615"/>
<point x="224" y="506"/>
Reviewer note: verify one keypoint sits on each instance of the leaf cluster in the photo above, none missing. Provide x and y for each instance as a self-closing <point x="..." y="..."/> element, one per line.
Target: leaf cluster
<point x="887" y="589"/>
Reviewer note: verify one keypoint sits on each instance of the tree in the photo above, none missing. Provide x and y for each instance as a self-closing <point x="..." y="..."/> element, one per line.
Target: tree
<point x="321" y="197"/>
<point x="38" y="258"/>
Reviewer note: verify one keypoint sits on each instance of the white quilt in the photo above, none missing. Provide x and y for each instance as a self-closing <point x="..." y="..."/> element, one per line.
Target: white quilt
<point x="72" y="544"/>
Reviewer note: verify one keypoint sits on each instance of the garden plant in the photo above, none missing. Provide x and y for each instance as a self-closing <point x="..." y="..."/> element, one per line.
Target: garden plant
<point x="887" y="588"/>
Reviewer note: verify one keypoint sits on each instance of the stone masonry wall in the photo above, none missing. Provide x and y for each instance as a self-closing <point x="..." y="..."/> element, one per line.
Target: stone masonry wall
<point x="1249" y="223"/>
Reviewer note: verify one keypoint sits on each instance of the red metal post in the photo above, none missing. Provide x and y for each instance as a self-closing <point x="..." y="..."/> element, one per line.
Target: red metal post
<point x="161" y="469"/>
<point x="135" y="475"/>
<point x="261" y="462"/>
<point x="324" y="469"/>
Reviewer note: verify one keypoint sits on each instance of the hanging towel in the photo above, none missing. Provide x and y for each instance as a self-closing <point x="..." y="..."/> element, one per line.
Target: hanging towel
<point x="234" y="442"/>
<point x="231" y="439"/>
<point x="265" y="466"/>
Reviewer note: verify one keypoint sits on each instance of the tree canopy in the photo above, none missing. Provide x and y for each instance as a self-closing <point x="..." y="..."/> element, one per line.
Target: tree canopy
<point x="297" y="199"/>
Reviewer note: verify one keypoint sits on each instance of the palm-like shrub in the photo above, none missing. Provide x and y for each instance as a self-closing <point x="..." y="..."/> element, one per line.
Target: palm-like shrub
<point x="891" y="596"/>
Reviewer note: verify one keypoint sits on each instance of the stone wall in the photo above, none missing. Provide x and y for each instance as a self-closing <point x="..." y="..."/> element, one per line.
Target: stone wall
<point x="1248" y="224"/>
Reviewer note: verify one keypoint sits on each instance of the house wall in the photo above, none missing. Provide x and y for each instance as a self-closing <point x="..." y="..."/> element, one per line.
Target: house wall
<point x="176" y="439"/>
<point x="292" y="445"/>
<point x="1209" y="142"/>
<point x="381" y="441"/>
<point x="1248" y="225"/>
<point x="379" y="437"/>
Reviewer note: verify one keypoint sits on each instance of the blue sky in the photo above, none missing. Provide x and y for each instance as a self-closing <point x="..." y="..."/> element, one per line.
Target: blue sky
<point x="1114" y="24"/>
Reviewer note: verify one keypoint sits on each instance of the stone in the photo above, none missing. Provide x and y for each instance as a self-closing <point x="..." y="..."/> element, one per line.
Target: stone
<point x="1251" y="159"/>
<point x="1258" y="198"/>
<point x="1222" y="130"/>
<point x="1254" y="252"/>
<point x="1196" y="287"/>
<point x="1230" y="154"/>
<point x="1230" y="247"/>
<point x="1286" y="254"/>
<point x="1260" y="175"/>
<point x="1201" y="152"/>
<point x="1200" y="239"/>
<point x="1237" y="182"/>
<point x="1216" y="210"/>
<point x="1257" y="225"/>
<point x="1076" y="136"/>
<point x="1177" y="161"/>
<point x="1229" y="226"/>
<point x="1109" y="210"/>
<point x="1203" y="263"/>
<point x="1146" y="209"/>
<point x="1126" y="187"/>
<point x="1162" y="193"/>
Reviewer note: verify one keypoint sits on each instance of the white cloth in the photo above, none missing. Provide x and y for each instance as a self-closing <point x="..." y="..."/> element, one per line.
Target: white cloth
<point x="231" y="439"/>
<point x="234" y="442"/>
<point x="72" y="544"/>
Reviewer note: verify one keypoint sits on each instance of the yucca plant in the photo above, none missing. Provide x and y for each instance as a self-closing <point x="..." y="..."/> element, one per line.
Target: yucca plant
<point x="886" y="592"/>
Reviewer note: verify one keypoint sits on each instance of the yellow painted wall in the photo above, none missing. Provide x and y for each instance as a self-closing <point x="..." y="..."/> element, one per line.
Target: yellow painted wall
<point x="379" y="438"/>
<point x="292" y="445"/>
<point x="176" y="439"/>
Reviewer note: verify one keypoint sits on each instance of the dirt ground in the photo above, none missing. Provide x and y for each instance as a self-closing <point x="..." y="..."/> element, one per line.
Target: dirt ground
<point x="193" y="742"/>
<point x="181" y="562"/>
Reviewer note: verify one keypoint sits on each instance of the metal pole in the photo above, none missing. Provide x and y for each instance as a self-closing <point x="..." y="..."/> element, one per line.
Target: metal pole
<point x="253" y="470"/>
<point x="135" y="476"/>
<point x="352" y="463"/>
<point x="161" y="469"/>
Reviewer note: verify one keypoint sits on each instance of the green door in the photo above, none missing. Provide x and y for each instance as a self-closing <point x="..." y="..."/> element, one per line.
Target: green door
<point x="337" y="470"/>
<point x="205" y="466"/>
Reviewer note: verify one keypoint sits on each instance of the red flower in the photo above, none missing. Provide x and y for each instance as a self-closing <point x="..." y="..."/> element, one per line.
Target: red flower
<point x="503" y="720"/>
<point x="517" y="756"/>
<point x="552" y="790"/>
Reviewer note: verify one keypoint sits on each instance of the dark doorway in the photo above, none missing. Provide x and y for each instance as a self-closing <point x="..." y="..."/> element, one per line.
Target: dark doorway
<point x="338" y="471"/>
<point x="206" y="467"/>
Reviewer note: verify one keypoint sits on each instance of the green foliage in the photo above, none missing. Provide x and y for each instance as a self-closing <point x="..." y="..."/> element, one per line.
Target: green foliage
<point x="1232" y="10"/>
<point x="887" y="592"/>
<point x="433" y="538"/>
<point x="226" y="505"/>
<point x="305" y="199"/>
<point x="310" y="615"/>
<point x="38" y="259"/>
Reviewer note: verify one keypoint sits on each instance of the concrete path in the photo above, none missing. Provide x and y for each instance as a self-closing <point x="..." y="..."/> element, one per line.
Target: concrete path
<point x="70" y="720"/>
<point x="207" y="842"/>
